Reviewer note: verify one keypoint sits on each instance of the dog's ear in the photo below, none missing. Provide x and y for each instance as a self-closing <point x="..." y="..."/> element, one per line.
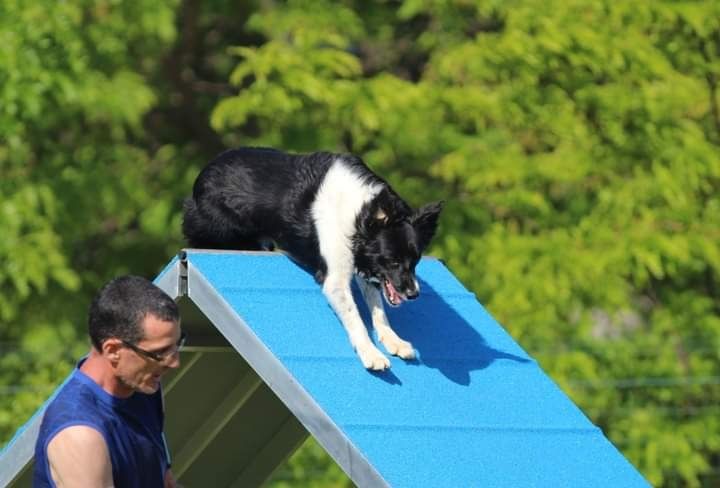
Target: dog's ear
<point x="375" y="219"/>
<point x="425" y="221"/>
<point x="381" y="217"/>
<point x="394" y="207"/>
<point x="372" y="219"/>
<point x="385" y="210"/>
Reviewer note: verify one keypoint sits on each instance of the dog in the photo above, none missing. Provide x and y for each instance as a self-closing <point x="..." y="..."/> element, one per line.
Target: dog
<point x="330" y="214"/>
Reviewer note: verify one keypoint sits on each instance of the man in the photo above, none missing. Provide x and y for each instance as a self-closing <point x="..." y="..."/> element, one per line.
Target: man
<point x="104" y="427"/>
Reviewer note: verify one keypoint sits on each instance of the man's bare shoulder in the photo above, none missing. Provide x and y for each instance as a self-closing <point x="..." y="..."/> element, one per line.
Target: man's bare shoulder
<point x="82" y="435"/>
<point x="78" y="456"/>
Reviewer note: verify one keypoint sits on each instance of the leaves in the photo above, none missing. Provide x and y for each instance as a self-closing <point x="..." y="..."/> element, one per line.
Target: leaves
<point x="576" y="145"/>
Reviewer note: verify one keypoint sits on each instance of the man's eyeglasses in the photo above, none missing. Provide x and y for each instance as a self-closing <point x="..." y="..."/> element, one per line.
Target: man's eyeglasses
<point x="158" y="356"/>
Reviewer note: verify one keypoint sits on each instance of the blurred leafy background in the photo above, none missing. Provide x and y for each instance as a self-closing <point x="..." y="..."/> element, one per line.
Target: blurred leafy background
<point x="576" y="142"/>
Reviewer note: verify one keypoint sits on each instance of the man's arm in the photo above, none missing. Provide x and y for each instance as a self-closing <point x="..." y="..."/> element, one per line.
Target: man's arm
<point x="79" y="457"/>
<point x="170" y="481"/>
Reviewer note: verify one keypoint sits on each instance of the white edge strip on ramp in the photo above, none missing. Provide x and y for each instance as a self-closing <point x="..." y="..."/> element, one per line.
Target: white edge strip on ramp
<point x="280" y="381"/>
<point x="16" y="456"/>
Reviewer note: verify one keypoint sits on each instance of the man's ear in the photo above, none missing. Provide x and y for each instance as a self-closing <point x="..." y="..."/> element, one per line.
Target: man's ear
<point x="111" y="349"/>
<point x="425" y="221"/>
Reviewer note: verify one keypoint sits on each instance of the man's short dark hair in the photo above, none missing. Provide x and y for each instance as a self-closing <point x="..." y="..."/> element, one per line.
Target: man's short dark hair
<point x="120" y="307"/>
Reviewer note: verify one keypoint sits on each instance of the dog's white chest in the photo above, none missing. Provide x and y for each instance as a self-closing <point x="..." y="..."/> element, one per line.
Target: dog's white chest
<point x="340" y="198"/>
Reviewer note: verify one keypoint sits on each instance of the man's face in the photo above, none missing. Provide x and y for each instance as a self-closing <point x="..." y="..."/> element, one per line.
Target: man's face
<point x="135" y="370"/>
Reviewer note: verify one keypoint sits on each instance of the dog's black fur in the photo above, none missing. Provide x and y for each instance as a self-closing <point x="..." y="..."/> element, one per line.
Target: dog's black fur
<point x="256" y="198"/>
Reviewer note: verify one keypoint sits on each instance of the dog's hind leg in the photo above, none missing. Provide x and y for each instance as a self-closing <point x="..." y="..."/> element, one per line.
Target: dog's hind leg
<point x="392" y="342"/>
<point x="208" y="225"/>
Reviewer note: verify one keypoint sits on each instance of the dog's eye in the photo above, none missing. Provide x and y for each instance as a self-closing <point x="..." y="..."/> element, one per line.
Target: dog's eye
<point x="395" y="264"/>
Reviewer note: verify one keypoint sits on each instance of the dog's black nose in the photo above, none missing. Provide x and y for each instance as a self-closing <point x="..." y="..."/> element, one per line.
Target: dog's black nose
<point x="412" y="294"/>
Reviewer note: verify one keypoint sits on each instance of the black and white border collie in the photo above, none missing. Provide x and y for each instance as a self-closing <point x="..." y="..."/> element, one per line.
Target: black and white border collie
<point x="331" y="215"/>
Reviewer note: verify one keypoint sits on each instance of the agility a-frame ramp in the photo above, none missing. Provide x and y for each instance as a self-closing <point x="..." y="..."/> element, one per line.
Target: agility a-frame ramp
<point x="268" y="362"/>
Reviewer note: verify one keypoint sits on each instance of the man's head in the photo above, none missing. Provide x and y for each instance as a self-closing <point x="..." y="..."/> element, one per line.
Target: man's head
<point x="136" y="327"/>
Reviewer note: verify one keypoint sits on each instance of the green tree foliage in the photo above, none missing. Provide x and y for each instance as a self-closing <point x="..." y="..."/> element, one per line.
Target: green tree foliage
<point x="576" y="144"/>
<point x="83" y="192"/>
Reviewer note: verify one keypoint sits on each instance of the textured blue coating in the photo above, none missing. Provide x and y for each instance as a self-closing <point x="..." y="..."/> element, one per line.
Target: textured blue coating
<point x="473" y="410"/>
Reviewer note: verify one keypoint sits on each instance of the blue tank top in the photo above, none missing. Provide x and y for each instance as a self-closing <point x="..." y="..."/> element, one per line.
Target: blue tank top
<point x="132" y="428"/>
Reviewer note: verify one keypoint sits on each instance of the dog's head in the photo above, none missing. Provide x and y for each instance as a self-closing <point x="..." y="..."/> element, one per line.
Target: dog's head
<point x="390" y="242"/>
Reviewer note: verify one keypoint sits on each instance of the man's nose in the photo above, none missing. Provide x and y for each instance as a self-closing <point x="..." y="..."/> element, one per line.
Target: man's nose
<point x="174" y="362"/>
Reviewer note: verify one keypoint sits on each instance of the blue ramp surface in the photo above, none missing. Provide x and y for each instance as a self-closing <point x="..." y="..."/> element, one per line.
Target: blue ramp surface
<point x="474" y="409"/>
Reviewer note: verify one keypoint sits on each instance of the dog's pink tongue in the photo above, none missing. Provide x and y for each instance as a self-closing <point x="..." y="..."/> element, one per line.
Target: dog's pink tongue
<point x="394" y="295"/>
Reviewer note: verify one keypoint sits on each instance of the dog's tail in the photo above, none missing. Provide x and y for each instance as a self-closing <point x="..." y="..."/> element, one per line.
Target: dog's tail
<point x="192" y="223"/>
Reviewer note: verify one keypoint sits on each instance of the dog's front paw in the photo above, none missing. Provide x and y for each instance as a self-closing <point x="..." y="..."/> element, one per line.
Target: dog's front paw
<point x="398" y="347"/>
<point x="372" y="358"/>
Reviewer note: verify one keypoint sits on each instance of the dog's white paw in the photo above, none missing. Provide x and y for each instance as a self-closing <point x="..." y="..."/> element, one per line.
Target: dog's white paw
<point x="372" y="358"/>
<point x="398" y="347"/>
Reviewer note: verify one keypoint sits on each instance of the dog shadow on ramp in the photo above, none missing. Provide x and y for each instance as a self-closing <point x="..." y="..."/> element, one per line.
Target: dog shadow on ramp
<point x="452" y="333"/>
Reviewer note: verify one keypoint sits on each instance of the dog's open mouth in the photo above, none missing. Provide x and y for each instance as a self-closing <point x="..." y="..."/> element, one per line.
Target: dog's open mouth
<point x="391" y="294"/>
